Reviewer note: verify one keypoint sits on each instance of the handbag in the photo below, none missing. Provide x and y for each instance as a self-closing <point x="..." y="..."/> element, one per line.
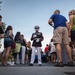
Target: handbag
<point x="13" y="45"/>
<point x="18" y="47"/>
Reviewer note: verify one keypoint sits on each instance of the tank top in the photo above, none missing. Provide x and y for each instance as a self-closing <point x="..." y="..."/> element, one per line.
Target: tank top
<point x="23" y="43"/>
<point x="8" y="36"/>
<point x="73" y="27"/>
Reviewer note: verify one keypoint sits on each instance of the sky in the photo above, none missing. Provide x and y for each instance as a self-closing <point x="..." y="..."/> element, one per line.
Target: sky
<point x="23" y="15"/>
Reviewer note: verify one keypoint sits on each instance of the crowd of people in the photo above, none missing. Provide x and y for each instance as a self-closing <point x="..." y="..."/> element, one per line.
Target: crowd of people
<point x="24" y="52"/>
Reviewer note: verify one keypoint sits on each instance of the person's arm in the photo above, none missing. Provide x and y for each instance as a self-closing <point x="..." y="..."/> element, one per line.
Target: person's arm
<point x="42" y="38"/>
<point x="3" y="36"/>
<point x="25" y="41"/>
<point x="45" y="50"/>
<point x="10" y="34"/>
<point x="71" y="23"/>
<point x="67" y="24"/>
<point x="33" y="37"/>
<point x="50" y="21"/>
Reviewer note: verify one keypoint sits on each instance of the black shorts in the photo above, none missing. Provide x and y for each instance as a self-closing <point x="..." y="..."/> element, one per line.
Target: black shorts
<point x="28" y="51"/>
<point x="53" y="53"/>
<point x="73" y="35"/>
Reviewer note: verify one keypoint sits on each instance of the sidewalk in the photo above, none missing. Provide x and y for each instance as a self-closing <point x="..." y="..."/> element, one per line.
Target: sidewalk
<point x="45" y="69"/>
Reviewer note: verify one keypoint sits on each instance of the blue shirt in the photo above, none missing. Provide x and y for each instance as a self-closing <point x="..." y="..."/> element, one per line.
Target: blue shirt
<point x="59" y="20"/>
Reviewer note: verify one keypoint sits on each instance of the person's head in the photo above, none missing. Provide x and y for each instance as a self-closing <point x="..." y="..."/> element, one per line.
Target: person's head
<point x="9" y="28"/>
<point x="36" y="28"/>
<point x="29" y="44"/>
<point x="46" y="44"/>
<point x="57" y="12"/>
<point x="22" y="36"/>
<point x="0" y="17"/>
<point x="51" y="40"/>
<point x="18" y="35"/>
<point x="72" y="12"/>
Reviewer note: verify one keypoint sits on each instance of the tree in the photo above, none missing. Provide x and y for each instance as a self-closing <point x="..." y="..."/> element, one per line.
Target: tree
<point x="4" y="25"/>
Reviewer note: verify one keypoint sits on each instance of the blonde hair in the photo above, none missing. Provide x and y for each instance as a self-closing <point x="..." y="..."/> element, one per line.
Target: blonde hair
<point x="29" y="44"/>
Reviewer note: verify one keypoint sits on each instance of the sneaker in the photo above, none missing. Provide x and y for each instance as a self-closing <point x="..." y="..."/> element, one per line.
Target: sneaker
<point x="1" y="64"/>
<point x="40" y="64"/>
<point x="30" y="64"/>
<point x="21" y="63"/>
<point x="70" y="64"/>
<point x="6" y="65"/>
<point x="59" y="64"/>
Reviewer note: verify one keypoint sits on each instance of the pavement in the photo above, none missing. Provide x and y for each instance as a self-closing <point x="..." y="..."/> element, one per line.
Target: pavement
<point x="45" y="69"/>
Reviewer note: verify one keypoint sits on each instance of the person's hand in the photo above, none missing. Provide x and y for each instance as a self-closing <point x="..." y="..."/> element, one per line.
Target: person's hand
<point x="34" y="36"/>
<point x="69" y="34"/>
<point x="37" y="40"/>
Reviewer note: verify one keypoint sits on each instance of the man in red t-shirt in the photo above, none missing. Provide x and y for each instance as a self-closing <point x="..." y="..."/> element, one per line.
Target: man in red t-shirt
<point x="46" y="50"/>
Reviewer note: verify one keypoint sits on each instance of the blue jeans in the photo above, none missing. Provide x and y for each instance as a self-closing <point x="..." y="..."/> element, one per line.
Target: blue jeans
<point x="20" y="54"/>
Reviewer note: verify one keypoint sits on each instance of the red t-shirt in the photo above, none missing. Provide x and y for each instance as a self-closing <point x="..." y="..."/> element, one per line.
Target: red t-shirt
<point x="46" y="49"/>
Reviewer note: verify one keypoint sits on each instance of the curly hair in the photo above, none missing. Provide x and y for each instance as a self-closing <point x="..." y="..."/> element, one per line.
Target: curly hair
<point x="72" y="12"/>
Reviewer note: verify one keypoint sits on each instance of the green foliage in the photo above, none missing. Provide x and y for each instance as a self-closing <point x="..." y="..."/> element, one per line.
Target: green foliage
<point x="4" y="25"/>
<point x="10" y="56"/>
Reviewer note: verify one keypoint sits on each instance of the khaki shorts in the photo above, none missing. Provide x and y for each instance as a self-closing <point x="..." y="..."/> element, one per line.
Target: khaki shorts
<point x="60" y="35"/>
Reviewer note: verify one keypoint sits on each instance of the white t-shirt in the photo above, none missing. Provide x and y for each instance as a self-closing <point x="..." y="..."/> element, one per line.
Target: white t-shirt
<point x="53" y="49"/>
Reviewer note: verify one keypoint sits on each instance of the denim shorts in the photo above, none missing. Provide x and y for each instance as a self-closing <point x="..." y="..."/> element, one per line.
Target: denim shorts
<point x="7" y="43"/>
